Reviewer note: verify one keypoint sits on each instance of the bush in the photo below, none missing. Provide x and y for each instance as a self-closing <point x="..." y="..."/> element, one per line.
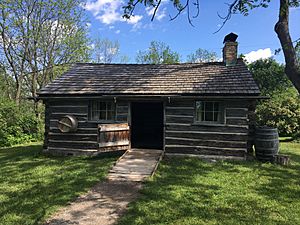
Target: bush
<point x="18" y="124"/>
<point x="282" y="110"/>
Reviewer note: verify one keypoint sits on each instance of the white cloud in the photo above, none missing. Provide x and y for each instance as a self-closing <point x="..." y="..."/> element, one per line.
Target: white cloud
<point x="162" y="14"/>
<point x="110" y="12"/>
<point x="117" y="31"/>
<point x="159" y="15"/>
<point x="134" y="19"/>
<point x="259" y="54"/>
<point x="111" y="27"/>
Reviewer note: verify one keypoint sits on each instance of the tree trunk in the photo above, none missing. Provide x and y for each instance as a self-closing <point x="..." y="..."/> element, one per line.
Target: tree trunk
<point x="292" y="69"/>
<point x="19" y="83"/>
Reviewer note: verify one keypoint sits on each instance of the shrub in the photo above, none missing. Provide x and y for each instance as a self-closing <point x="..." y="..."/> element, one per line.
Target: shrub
<point x="282" y="110"/>
<point x="18" y="124"/>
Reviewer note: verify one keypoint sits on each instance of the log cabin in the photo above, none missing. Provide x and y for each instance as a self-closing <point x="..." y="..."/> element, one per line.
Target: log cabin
<point x="183" y="109"/>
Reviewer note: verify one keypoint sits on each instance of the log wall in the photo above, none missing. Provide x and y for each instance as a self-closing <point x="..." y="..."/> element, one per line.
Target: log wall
<point x="85" y="139"/>
<point x="182" y="134"/>
<point x="185" y="136"/>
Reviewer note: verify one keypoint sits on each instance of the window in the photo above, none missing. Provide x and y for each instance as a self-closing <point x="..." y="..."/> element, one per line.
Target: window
<point x="209" y="112"/>
<point x="102" y="110"/>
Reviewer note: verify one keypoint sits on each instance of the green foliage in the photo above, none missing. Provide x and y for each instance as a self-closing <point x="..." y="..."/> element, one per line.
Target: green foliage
<point x="202" y="55"/>
<point x="269" y="75"/>
<point x="43" y="34"/>
<point x="282" y="110"/>
<point x="6" y="85"/>
<point x="157" y="53"/>
<point x="34" y="186"/>
<point x="18" y="124"/>
<point x="190" y="191"/>
<point x="297" y="48"/>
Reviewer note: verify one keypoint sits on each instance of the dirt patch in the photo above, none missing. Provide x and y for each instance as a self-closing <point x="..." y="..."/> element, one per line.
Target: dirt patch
<point x="104" y="204"/>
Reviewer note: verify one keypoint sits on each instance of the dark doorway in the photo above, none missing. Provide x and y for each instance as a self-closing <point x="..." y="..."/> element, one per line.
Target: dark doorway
<point x="147" y="121"/>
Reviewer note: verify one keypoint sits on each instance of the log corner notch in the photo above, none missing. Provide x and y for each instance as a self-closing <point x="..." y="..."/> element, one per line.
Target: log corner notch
<point x="292" y="67"/>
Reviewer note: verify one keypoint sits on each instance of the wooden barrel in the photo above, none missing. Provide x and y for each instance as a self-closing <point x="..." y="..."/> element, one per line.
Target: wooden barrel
<point x="67" y="124"/>
<point x="266" y="143"/>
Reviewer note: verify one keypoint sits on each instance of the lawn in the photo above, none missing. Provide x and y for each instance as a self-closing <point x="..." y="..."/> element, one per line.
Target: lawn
<point x="191" y="191"/>
<point x="32" y="185"/>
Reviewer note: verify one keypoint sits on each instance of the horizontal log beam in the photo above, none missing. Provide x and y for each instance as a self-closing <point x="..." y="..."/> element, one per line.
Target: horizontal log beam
<point x="206" y="147"/>
<point x="219" y="157"/>
<point x="205" y="132"/>
<point x="179" y="108"/>
<point x="179" y="116"/>
<point x="205" y="142"/>
<point x="73" y="142"/>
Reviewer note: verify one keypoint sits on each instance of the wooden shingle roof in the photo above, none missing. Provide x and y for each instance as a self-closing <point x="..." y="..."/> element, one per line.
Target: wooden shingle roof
<point x="144" y="79"/>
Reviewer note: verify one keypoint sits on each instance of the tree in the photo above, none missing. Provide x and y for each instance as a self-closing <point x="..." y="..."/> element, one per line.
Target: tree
<point x="270" y="76"/>
<point x="157" y="53"/>
<point x="292" y="67"/>
<point x="282" y="109"/>
<point x="6" y="85"/>
<point x="105" y="50"/>
<point x="297" y="48"/>
<point x="38" y="38"/>
<point x="202" y="55"/>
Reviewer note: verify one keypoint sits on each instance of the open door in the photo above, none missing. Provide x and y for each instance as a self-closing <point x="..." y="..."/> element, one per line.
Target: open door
<point x="147" y="125"/>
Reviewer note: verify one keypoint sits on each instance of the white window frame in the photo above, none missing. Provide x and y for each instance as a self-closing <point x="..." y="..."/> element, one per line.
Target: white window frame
<point x="95" y="108"/>
<point x="221" y="113"/>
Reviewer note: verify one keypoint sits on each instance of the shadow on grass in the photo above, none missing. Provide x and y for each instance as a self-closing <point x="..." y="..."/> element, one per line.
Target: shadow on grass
<point x="192" y="191"/>
<point x="33" y="185"/>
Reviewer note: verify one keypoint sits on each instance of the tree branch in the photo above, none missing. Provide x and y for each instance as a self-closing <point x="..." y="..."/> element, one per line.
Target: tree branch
<point x="228" y="16"/>
<point x="155" y="10"/>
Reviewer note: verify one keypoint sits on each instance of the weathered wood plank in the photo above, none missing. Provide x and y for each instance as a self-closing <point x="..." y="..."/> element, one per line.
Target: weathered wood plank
<point x="69" y="103"/>
<point x="70" y="109"/>
<point x="243" y="121"/>
<point x="236" y="112"/>
<point x="113" y="127"/>
<point x="188" y="120"/>
<point x="73" y="137"/>
<point x="73" y="144"/>
<point x="204" y="150"/>
<point x="209" y="128"/>
<point x="218" y="157"/>
<point x="208" y="135"/>
<point x="178" y="112"/>
<point x="205" y="142"/>
<point x="111" y="144"/>
<point x="180" y="103"/>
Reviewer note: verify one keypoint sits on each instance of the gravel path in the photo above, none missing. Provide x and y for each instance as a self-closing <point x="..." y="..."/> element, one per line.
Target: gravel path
<point x="102" y="205"/>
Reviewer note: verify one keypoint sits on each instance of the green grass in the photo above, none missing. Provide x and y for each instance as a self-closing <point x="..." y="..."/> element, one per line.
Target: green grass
<point x="192" y="191"/>
<point x="32" y="185"/>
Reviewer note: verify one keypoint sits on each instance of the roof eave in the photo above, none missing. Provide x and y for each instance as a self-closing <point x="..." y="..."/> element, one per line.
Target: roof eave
<point x="194" y="95"/>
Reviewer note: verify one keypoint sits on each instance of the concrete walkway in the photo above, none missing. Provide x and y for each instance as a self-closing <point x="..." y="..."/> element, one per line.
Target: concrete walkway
<point x="108" y="200"/>
<point x="136" y="165"/>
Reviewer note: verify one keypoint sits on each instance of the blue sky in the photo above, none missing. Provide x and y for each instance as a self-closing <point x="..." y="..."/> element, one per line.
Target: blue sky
<point x="256" y="31"/>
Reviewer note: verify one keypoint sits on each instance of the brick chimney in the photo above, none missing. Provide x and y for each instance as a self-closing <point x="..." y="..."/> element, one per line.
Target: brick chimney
<point x="230" y="49"/>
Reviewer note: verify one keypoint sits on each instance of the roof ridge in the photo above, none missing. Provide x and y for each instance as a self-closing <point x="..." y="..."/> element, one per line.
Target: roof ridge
<point x="148" y="64"/>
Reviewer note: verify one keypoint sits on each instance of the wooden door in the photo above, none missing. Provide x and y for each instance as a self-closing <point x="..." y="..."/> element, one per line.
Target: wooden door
<point x="112" y="137"/>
